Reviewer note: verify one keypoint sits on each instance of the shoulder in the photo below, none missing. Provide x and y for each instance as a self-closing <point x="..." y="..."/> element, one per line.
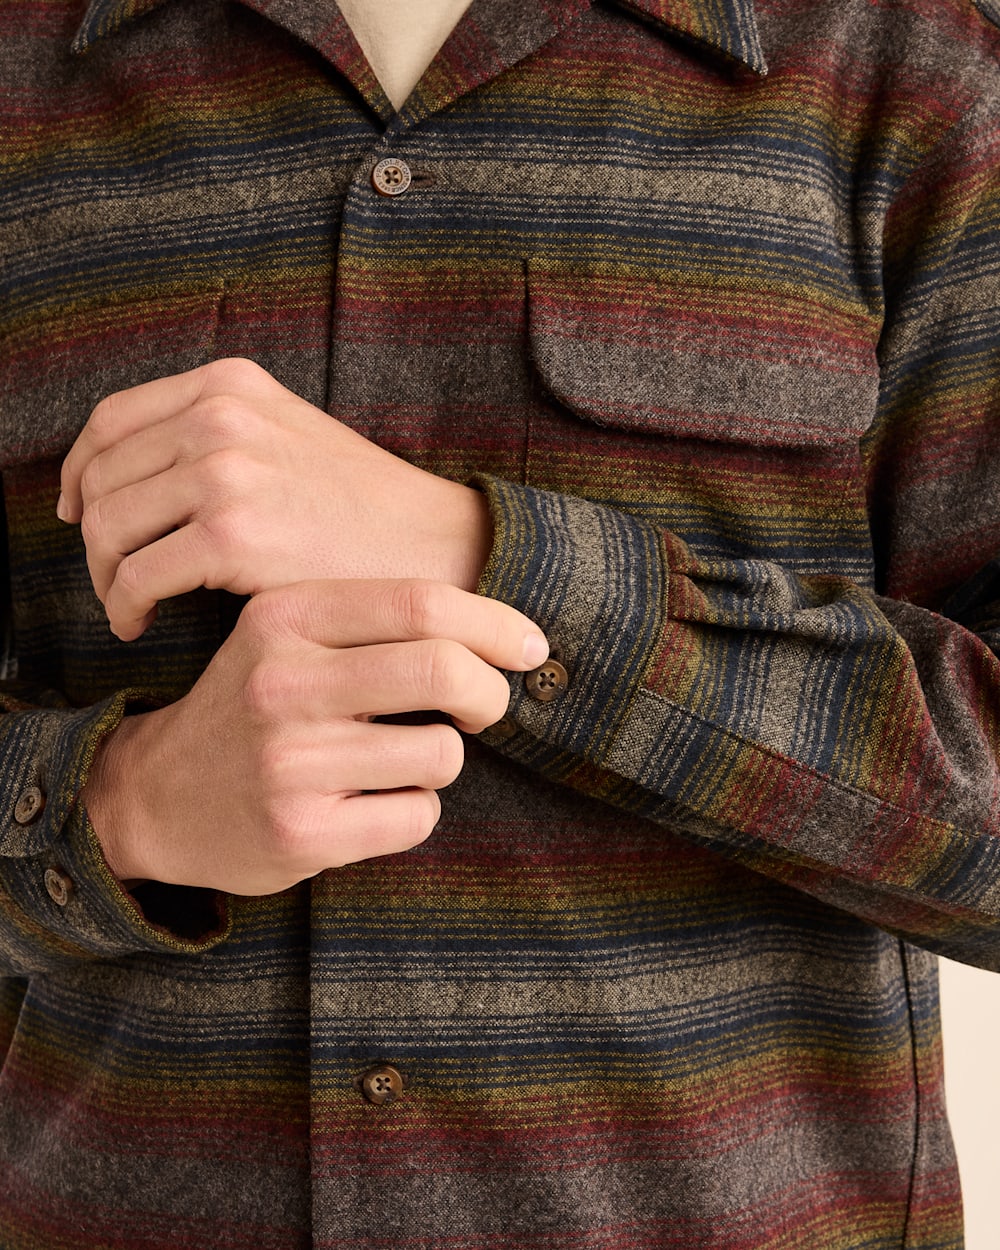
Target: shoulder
<point x="926" y="63"/>
<point x="891" y="31"/>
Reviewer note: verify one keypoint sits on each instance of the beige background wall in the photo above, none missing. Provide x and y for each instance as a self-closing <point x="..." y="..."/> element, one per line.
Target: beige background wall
<point x="970" y="1001"/>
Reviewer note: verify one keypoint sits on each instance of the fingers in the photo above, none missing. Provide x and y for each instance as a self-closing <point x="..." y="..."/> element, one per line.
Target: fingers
<point x="380" y="680"/>
<point x="137" y="457"/>
<point x="128" y="520"/>
<point x="126" y="414"/>
<point x="383" y="801"/>
<point x="360" y="612"/>
<point x="117" y="418"/>
<point x="178" y="562"/>
<point x="371" y="825"/>
<point x="319" y="658"/>
<point x="343" y="614"/>
<point x="362" y="756"/>
<point x="330" y="834"/>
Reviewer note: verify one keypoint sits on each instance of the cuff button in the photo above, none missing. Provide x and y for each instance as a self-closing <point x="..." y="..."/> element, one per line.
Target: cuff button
<point x="29" y="806"/>
<point x="548" y="682"/>
<point x="58" y="885"/>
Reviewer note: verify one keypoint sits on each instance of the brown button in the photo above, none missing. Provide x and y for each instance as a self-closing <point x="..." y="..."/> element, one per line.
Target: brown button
<point x="391" y="176"/>
<point x="59" y="886"/>
<point x="382" y="1084"/>
<point x="504" y="728"/>
<point x="29" y="806"/>
<point x="548" y="682"/>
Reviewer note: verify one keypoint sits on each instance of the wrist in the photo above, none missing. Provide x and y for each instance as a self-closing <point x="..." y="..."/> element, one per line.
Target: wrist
<point x="111" y="799"/>
<point x="466" y="536"/>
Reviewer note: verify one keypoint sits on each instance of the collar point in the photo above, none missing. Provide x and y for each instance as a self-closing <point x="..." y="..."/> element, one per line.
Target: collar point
<point x="105" y="17"/>
<point x="726" y="27"/>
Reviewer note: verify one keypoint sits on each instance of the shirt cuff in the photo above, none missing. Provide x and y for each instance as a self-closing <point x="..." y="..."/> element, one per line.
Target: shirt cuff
<point x="59" y="898"/>
<point x="594" y="581"/>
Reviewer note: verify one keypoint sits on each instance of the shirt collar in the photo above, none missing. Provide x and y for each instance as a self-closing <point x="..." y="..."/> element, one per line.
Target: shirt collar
<point x="105" y="17"/>
<point x="725" y="26"/>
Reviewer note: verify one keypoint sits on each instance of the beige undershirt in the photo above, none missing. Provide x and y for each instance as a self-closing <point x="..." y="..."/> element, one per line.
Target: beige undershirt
<point x="401" y="37"/>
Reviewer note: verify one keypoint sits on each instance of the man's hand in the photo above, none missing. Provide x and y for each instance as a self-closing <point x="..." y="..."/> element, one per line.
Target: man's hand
<point x="223" y="478"/>
<point x="271" y="769"/>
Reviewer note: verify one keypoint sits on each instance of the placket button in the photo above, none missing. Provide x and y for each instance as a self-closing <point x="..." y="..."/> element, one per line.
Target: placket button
<point x="29" y="806"/>
<point x="548" y="682"/>
<point x="391" y="176"/>
<point x="382" y="1084"/>
<point x="58" y="885"/>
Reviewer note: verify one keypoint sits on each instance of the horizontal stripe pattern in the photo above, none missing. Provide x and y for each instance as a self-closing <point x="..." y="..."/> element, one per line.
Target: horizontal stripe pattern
<point x="704" y="296"/>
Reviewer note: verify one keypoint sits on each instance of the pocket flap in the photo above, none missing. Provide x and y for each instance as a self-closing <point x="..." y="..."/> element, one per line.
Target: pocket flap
<point x="650" y="358"/>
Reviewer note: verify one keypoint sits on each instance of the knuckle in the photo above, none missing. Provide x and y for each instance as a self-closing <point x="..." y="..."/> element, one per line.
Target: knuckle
<point x="218" y="419"/>
<point x="285" y="807"/>
<point x="272" y="761"/>
<point x="221" y="470"/>
<point x="419" y="606"/>
<point x="446" y="755"/>
<point x="421" y="815"/>
<point x="286" y="831"/>
<point x="234" y="372"/>
<point x="90" y="479"/>
<point x="93" y="524"/>
<point x="266" y="689"/>
<point x="443" y="665"/>
<point x="222" y="531"/>
<point x="258" y="612"/>
<point x="269" y="613"/>
<point x="129" y="577"/>
<point x="104" y="417"/>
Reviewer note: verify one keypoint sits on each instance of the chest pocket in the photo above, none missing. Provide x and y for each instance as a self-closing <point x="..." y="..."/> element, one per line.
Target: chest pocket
<point x="730" y="419"/>
<point x="767" y="369"/>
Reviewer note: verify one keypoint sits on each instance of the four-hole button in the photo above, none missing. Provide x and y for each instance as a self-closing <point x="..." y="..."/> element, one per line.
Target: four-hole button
<point x="58" y="885"/>
<point x="548" y="682"/>
<point x="382" y="1084"/>
<point x="391" y="176"/>
<point x="29" y="805"/>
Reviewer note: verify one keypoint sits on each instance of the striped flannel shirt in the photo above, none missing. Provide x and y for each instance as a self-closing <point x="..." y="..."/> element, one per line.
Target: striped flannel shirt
<point x="705" y="296"/>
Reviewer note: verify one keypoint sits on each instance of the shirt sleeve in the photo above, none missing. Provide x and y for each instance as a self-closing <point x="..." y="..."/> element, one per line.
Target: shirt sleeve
<point x="841" y="739"/>
<point x="58" y="899"/>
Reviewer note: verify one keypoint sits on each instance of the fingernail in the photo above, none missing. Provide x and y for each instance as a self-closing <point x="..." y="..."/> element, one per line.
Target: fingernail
<point x="62" y="508"/>
<point x="536" y="650"/>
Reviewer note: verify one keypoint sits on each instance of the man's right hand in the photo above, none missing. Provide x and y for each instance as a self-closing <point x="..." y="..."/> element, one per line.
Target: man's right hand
<point x="271" y="769"/>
